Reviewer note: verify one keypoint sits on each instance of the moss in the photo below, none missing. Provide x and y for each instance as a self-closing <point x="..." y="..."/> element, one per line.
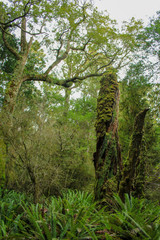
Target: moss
<point x="105" y="103"/>
<point x="105" y="158"/>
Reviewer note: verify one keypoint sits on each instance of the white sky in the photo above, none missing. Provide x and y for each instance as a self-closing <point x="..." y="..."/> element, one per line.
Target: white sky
<point x="121" y="10"/>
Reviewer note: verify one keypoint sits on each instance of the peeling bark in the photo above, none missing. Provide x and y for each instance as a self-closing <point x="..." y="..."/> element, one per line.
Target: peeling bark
<point x="106" y="157"/>
<point x="132" y="161"/>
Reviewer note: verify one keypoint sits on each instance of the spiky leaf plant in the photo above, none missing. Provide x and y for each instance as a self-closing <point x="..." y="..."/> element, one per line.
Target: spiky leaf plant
<point x="136" y="219"/>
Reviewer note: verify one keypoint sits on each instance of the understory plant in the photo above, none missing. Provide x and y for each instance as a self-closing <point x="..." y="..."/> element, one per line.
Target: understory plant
<point x="135" y="219"/>
<point x="75" y="215"/>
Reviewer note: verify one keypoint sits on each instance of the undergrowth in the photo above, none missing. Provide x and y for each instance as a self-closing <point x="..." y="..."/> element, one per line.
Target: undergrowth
<point x="75" y="215"/>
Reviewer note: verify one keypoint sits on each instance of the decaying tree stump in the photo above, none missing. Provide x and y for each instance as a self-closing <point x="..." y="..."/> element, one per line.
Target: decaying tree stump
<point x="107" y="157"/>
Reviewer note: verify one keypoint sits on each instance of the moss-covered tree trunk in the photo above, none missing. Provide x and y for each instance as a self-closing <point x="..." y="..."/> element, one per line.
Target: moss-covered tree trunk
<point x="132" y="161"/>
<point x="107" y="156"/>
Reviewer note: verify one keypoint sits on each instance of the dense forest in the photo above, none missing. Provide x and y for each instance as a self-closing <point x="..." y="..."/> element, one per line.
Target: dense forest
<point x="79" y="123"/>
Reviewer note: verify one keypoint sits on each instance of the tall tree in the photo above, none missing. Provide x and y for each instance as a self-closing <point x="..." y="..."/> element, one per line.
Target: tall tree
<point x="50" y="35"/>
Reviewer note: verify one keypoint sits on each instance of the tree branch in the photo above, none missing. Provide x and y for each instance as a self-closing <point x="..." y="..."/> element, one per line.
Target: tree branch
<point x="23" y="35"/>
<point x="60" y="82"/>
<point x="68" y="47"/>
<point x="81" y="48"/>
<point x="58" y="60"/>
<point x="8" y="46"/>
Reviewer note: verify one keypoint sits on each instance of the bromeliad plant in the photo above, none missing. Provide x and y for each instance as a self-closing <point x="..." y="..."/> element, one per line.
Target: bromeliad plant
<point x="136" y="219"/>
<point x="11" y="212"/>
<point x="72" y="216"/>
<point x="75" y="216"/>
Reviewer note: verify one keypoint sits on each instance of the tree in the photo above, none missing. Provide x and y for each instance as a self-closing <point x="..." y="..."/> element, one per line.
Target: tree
<point x="151" y="38"/>
<point x="72" y="39"/>
<point x="47" y="37"/>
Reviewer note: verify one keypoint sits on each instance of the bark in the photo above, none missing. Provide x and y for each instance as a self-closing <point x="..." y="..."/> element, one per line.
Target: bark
<point x="132" y="161"/>
<point x="107" y="156"/>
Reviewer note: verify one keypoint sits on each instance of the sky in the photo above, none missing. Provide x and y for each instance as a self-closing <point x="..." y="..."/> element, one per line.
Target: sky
<point x="122" y="10"/>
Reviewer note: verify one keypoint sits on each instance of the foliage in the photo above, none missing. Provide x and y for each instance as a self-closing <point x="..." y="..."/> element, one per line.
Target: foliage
<point x="11" y="212"/>
<point x="134" y="90"/>
<point x="46" y="146"/>
<point x="135" y="219"/>
<point x="151" y="36"/>
<point x="75" y="216"/>
<point x="137" y="93"/>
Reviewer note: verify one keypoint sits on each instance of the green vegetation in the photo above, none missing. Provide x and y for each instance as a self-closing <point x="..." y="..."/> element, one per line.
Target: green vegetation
<point x="79" y="143"/>
<point x="75" y="216"/>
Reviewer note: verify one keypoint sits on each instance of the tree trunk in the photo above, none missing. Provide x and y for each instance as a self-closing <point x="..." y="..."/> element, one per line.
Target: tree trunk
<point x="132" y="162"/>
<point x="11" y="94"/>
<point x="14" y="85"/>
<point x="34" y="182"/>
<point x="107" y="156"/>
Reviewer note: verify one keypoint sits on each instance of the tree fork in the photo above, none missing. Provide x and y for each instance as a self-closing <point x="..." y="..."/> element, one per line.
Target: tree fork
<point x="129" y="169"/>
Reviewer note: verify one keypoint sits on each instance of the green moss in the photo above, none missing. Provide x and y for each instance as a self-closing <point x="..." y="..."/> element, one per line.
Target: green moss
<point x="105" y="158"/>
<point x="105" y="103"/>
